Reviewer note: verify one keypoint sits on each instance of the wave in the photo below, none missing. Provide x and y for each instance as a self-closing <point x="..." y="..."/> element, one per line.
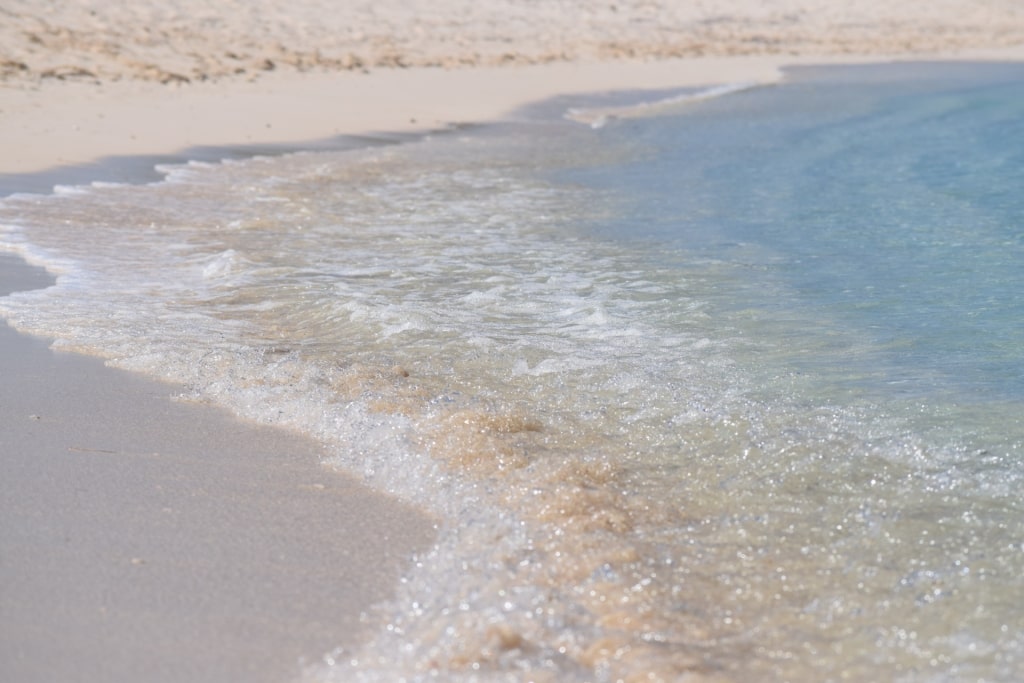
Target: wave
<point x="597" y="117"/>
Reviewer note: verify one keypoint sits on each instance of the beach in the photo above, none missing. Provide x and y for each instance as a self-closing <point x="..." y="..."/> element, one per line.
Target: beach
<point x="151" y="540"/>
<point x="147" y="537"/>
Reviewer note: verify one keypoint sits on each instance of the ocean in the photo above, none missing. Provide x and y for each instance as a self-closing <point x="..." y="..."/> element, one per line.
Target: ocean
<point x="719" y="385"/>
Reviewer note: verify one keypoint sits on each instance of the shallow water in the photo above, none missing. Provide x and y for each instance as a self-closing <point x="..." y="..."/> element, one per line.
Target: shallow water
<point x="721" y="389"/>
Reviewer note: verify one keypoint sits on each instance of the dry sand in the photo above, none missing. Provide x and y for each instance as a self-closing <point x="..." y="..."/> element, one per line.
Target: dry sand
<point x="179" y="41"/>
<point x="143" y="539"/>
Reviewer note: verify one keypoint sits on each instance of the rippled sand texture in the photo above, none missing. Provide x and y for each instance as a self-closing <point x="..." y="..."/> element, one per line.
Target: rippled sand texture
<point x="192" y="40"/>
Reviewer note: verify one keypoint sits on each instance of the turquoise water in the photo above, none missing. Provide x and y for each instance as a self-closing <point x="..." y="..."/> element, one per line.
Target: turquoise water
<point x="894" y="208"/>
<point x="720" y="388"/>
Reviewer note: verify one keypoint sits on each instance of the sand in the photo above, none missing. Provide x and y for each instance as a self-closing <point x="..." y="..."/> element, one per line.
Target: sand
<point x="147" y="539"/>
<point x="186" y="41"/>
<point x="143" y="539"/>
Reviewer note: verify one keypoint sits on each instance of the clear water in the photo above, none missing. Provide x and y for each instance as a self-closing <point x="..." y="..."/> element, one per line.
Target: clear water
<point x="720" y="390"/>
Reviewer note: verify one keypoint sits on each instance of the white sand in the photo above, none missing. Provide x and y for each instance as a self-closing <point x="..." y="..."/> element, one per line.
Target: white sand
<point x="178" y="40"/>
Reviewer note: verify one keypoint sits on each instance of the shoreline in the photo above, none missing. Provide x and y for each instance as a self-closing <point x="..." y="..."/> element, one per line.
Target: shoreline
<point x="370" y="555"/>
<point x="59" y="125"/>
<point x="144" y="538"/>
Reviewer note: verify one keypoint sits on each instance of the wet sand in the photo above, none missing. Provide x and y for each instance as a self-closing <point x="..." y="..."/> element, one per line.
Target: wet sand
<point x="144" y="539"/>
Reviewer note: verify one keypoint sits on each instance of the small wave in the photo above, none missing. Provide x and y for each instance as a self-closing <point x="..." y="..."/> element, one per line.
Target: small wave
<point x="70" y="190"/>
<point x="597" y="117"/>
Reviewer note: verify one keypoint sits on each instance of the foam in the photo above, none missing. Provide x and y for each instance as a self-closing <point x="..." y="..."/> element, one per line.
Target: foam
<point x="597" y="117"/>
